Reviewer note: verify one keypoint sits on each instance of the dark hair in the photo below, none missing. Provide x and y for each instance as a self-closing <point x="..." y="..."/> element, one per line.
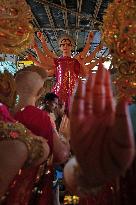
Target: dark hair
<point x="50" y="97"/>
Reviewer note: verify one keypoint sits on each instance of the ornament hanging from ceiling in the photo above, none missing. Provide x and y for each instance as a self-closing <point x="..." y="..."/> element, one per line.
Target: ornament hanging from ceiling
<point x="16" y="31"/>
<point x="119" y="34"/>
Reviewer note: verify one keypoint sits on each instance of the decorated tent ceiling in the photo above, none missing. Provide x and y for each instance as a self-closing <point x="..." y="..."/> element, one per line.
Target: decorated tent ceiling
<point x="75" y="17"/>
<point x="56" y="17"/>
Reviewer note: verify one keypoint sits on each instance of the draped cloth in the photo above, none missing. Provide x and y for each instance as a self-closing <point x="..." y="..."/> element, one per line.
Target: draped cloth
<point x="22" y="188"/>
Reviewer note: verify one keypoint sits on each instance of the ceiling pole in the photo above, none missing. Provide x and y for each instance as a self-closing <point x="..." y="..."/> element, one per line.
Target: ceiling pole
<point x="47" y="9"/>
<point x="82" y="16"/>
<point x="65" y="16"/>
<point x="95" y="14"/>
<point x="35" y="22"/>
<point x="79" y="7"/>
<point x="72" y="29"/>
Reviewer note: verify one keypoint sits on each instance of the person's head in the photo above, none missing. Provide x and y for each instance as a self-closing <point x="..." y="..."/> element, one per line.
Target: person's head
<point x="66" y="45"/>
<point x="30" y="82"/>
<point x="50" y="102"/>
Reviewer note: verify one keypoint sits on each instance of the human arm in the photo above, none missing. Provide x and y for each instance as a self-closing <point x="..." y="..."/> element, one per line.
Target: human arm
<point x="86" y="69"/>
<point x="86" y="61"/>
<point x="45" y="58"/>
<point x="61" y="148"/>
<point x="13" y="155"/>
<point x="42" y="60"/>
<point x="64" y="129"/>
<point x="82" y="57"/>
<point x="45" y="47"/>
<point x="86" y="47"/>
<point x="92" y="55"/>
<point x="17" y="151"/>
<point x="102" y="137"/>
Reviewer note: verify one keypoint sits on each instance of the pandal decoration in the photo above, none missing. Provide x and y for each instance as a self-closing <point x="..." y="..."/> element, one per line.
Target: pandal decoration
<point x="16" y="31"/>
<point x="119" y="34"/>
<point x="7" y="89"/>
<point x="17" y="131"/>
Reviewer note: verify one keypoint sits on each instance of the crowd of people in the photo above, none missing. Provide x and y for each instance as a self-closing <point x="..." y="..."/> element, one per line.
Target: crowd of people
<point x="91" y="134"/>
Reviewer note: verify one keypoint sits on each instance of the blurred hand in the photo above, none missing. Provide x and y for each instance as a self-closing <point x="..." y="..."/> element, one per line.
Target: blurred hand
<point x="101" y="133"/>
<point x="65" y="127"/>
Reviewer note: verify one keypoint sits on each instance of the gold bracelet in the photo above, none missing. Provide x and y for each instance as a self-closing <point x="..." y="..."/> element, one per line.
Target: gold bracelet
<point x="17" y="131"/>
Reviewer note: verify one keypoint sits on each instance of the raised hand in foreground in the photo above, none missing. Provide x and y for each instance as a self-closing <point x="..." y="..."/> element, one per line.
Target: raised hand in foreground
<point x="101" y="133"/>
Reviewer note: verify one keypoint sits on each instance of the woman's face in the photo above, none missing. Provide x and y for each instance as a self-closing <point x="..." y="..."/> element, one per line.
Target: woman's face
<point x="66" y="47"/>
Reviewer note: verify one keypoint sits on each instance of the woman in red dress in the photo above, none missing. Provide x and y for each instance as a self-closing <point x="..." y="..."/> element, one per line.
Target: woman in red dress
<point x="67" y="69"/>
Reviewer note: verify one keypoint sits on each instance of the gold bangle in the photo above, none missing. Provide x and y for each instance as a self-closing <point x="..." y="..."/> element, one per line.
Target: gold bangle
<point x="17" y="131"/>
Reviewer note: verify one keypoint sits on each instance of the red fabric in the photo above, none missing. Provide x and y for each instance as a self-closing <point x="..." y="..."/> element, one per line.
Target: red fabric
<point x="106" y="196"/>
<point x="47" y="195"/>
<point x="67" y="72"/>
<point x="37" y="121"/>
<point x="127" y="193"/>
<point x="21" y="189"/>
<point x="4" y="114"/>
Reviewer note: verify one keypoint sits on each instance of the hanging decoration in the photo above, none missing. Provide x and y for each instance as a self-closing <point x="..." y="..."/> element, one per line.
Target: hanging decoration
<point x="7" y="89"/>
<point x="119" y="34"/>
<point x="16" y="31"/>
